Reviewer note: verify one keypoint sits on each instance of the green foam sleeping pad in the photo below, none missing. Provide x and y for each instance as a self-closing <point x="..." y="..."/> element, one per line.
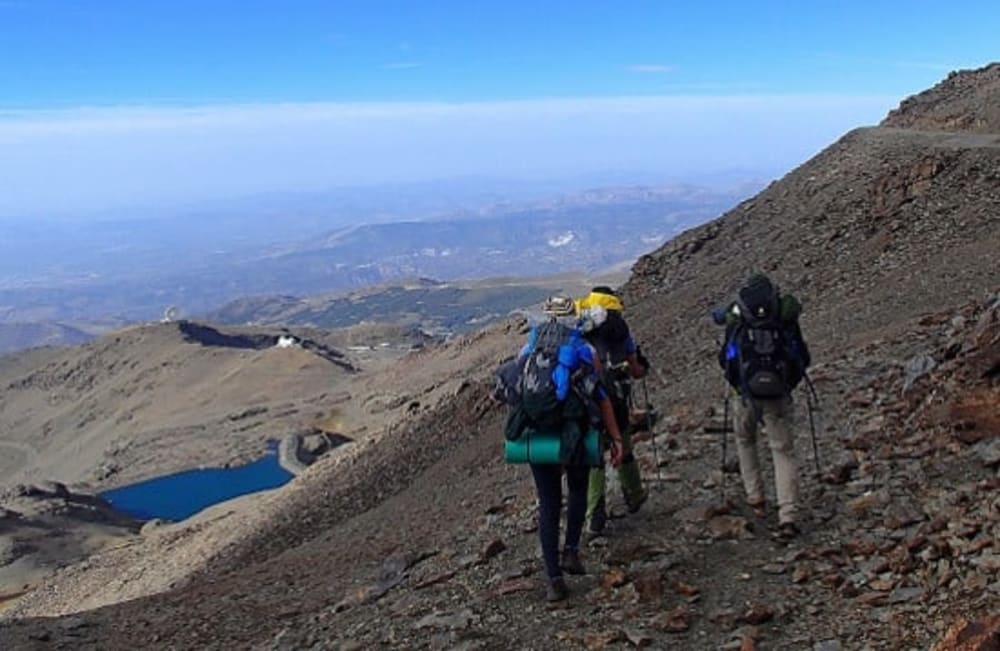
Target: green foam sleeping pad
<point x="543" y="447"/>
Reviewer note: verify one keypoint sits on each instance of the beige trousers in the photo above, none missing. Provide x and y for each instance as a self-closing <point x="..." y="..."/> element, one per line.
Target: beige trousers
<point x="778" y="417"/>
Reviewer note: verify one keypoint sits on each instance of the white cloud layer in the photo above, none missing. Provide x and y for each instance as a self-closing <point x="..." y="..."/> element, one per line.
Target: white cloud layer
<point x="89" y="158"/>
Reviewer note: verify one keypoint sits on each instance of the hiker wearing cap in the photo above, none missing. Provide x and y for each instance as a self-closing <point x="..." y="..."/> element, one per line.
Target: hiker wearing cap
<point x="604" y="327"/>
<point x="558" y="388"/>
<point x="764" y="358"/>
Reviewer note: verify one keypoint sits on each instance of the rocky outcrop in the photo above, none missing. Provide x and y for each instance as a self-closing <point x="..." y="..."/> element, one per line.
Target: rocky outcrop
<point x="209" y="336"/>
<point x="968" y="100"/>
<point x="981" y="635"/>
<point x="298" y="451"/>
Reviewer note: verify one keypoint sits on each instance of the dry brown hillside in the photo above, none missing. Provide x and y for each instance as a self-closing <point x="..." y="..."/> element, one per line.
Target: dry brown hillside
<point x="425" y="539"/>
<point x="151" y="399"/>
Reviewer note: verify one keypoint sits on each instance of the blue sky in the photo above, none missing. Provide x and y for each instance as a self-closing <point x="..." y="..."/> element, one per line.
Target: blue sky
<point x="126" y="102"/>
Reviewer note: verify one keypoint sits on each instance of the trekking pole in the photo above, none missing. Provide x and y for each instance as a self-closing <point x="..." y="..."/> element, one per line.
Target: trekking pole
<point x="810" y="398"/>
<point x="811" y="388"/>
<point x="725" y="439"/>
<point x="652" y="434"/>
<point x="812" y="430"/>
<point x="725" y="430"/>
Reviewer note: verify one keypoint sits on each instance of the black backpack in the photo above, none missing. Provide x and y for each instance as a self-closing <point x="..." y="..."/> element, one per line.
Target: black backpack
<point x="610" y="338"/>
<point x="507" y="381"/>
<point x="538" y="390"/>
<point x="527" y="384"/>
<point x="764" y="356"/>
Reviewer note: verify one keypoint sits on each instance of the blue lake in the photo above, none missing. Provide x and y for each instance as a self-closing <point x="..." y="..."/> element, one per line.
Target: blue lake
<point x="181" y="495"/>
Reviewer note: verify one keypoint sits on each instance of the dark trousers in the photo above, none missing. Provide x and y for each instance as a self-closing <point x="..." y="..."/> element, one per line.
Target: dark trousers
<point x="548" y="483"/>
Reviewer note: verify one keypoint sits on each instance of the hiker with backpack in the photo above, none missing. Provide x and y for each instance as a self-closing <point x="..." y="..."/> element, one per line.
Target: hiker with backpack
<point x="554" y="386"/>
<point x="604" y="327"/>
<point x="764" y="358"/>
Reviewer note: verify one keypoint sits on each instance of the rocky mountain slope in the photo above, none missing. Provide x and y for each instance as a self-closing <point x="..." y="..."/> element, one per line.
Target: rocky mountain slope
<point x="962" y="102"/>
<point x="423" y="538"/>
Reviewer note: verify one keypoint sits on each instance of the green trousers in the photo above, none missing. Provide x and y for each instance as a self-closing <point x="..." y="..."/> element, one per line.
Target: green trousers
<point x="628" y="476"/>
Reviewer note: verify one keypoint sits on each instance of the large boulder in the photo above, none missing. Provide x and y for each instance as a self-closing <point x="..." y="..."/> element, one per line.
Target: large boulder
<point x="980" y="635"/>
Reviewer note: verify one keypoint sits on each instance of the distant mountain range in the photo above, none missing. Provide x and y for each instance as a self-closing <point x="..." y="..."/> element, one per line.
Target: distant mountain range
<point x="16" y="336"/>
<point x="590" y="233"/>
<point x="124" y="272"/>
<point x="435" y="307"/>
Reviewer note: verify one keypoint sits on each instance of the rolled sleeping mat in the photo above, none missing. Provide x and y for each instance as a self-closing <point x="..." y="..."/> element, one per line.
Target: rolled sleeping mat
<point x="543" y="447"/>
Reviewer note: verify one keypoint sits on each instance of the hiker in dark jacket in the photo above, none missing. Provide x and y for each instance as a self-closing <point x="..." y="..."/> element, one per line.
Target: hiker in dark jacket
<point x="764" y="358"/>
<point x="604" y="326"/>
<point x="548" y="477"/>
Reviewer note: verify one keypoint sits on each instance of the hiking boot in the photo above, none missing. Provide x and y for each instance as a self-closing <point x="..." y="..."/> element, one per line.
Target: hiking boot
<point x="635" y="504"/>
<point x="759" y="507"/>
<point x="598" y="521"/>
<point x="556" y="590"/>
<point x="570" y="562"/>
<point x="788" y="531"/>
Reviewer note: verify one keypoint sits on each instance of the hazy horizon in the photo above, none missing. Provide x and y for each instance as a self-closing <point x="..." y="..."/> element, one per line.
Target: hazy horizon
<point x="436" y="197"/>
<point x="120" y="104"/>
<point x="78" y="161"/>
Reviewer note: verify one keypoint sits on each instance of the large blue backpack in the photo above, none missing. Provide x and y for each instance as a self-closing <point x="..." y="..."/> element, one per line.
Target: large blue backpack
<point x="547" y="374"/>
<point x="544" y="385"/>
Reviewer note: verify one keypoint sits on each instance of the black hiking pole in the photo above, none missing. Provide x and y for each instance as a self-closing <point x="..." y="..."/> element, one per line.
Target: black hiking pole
<point x="812" y="430"/>
<point x="810" y="399"/>
<point x="725" y="439"/>
<point x="724" y="429"/>
<point x="652" y="434"/>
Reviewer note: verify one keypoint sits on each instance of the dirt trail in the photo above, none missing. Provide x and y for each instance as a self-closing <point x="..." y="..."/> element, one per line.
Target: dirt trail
<point x="953" y="139"/>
